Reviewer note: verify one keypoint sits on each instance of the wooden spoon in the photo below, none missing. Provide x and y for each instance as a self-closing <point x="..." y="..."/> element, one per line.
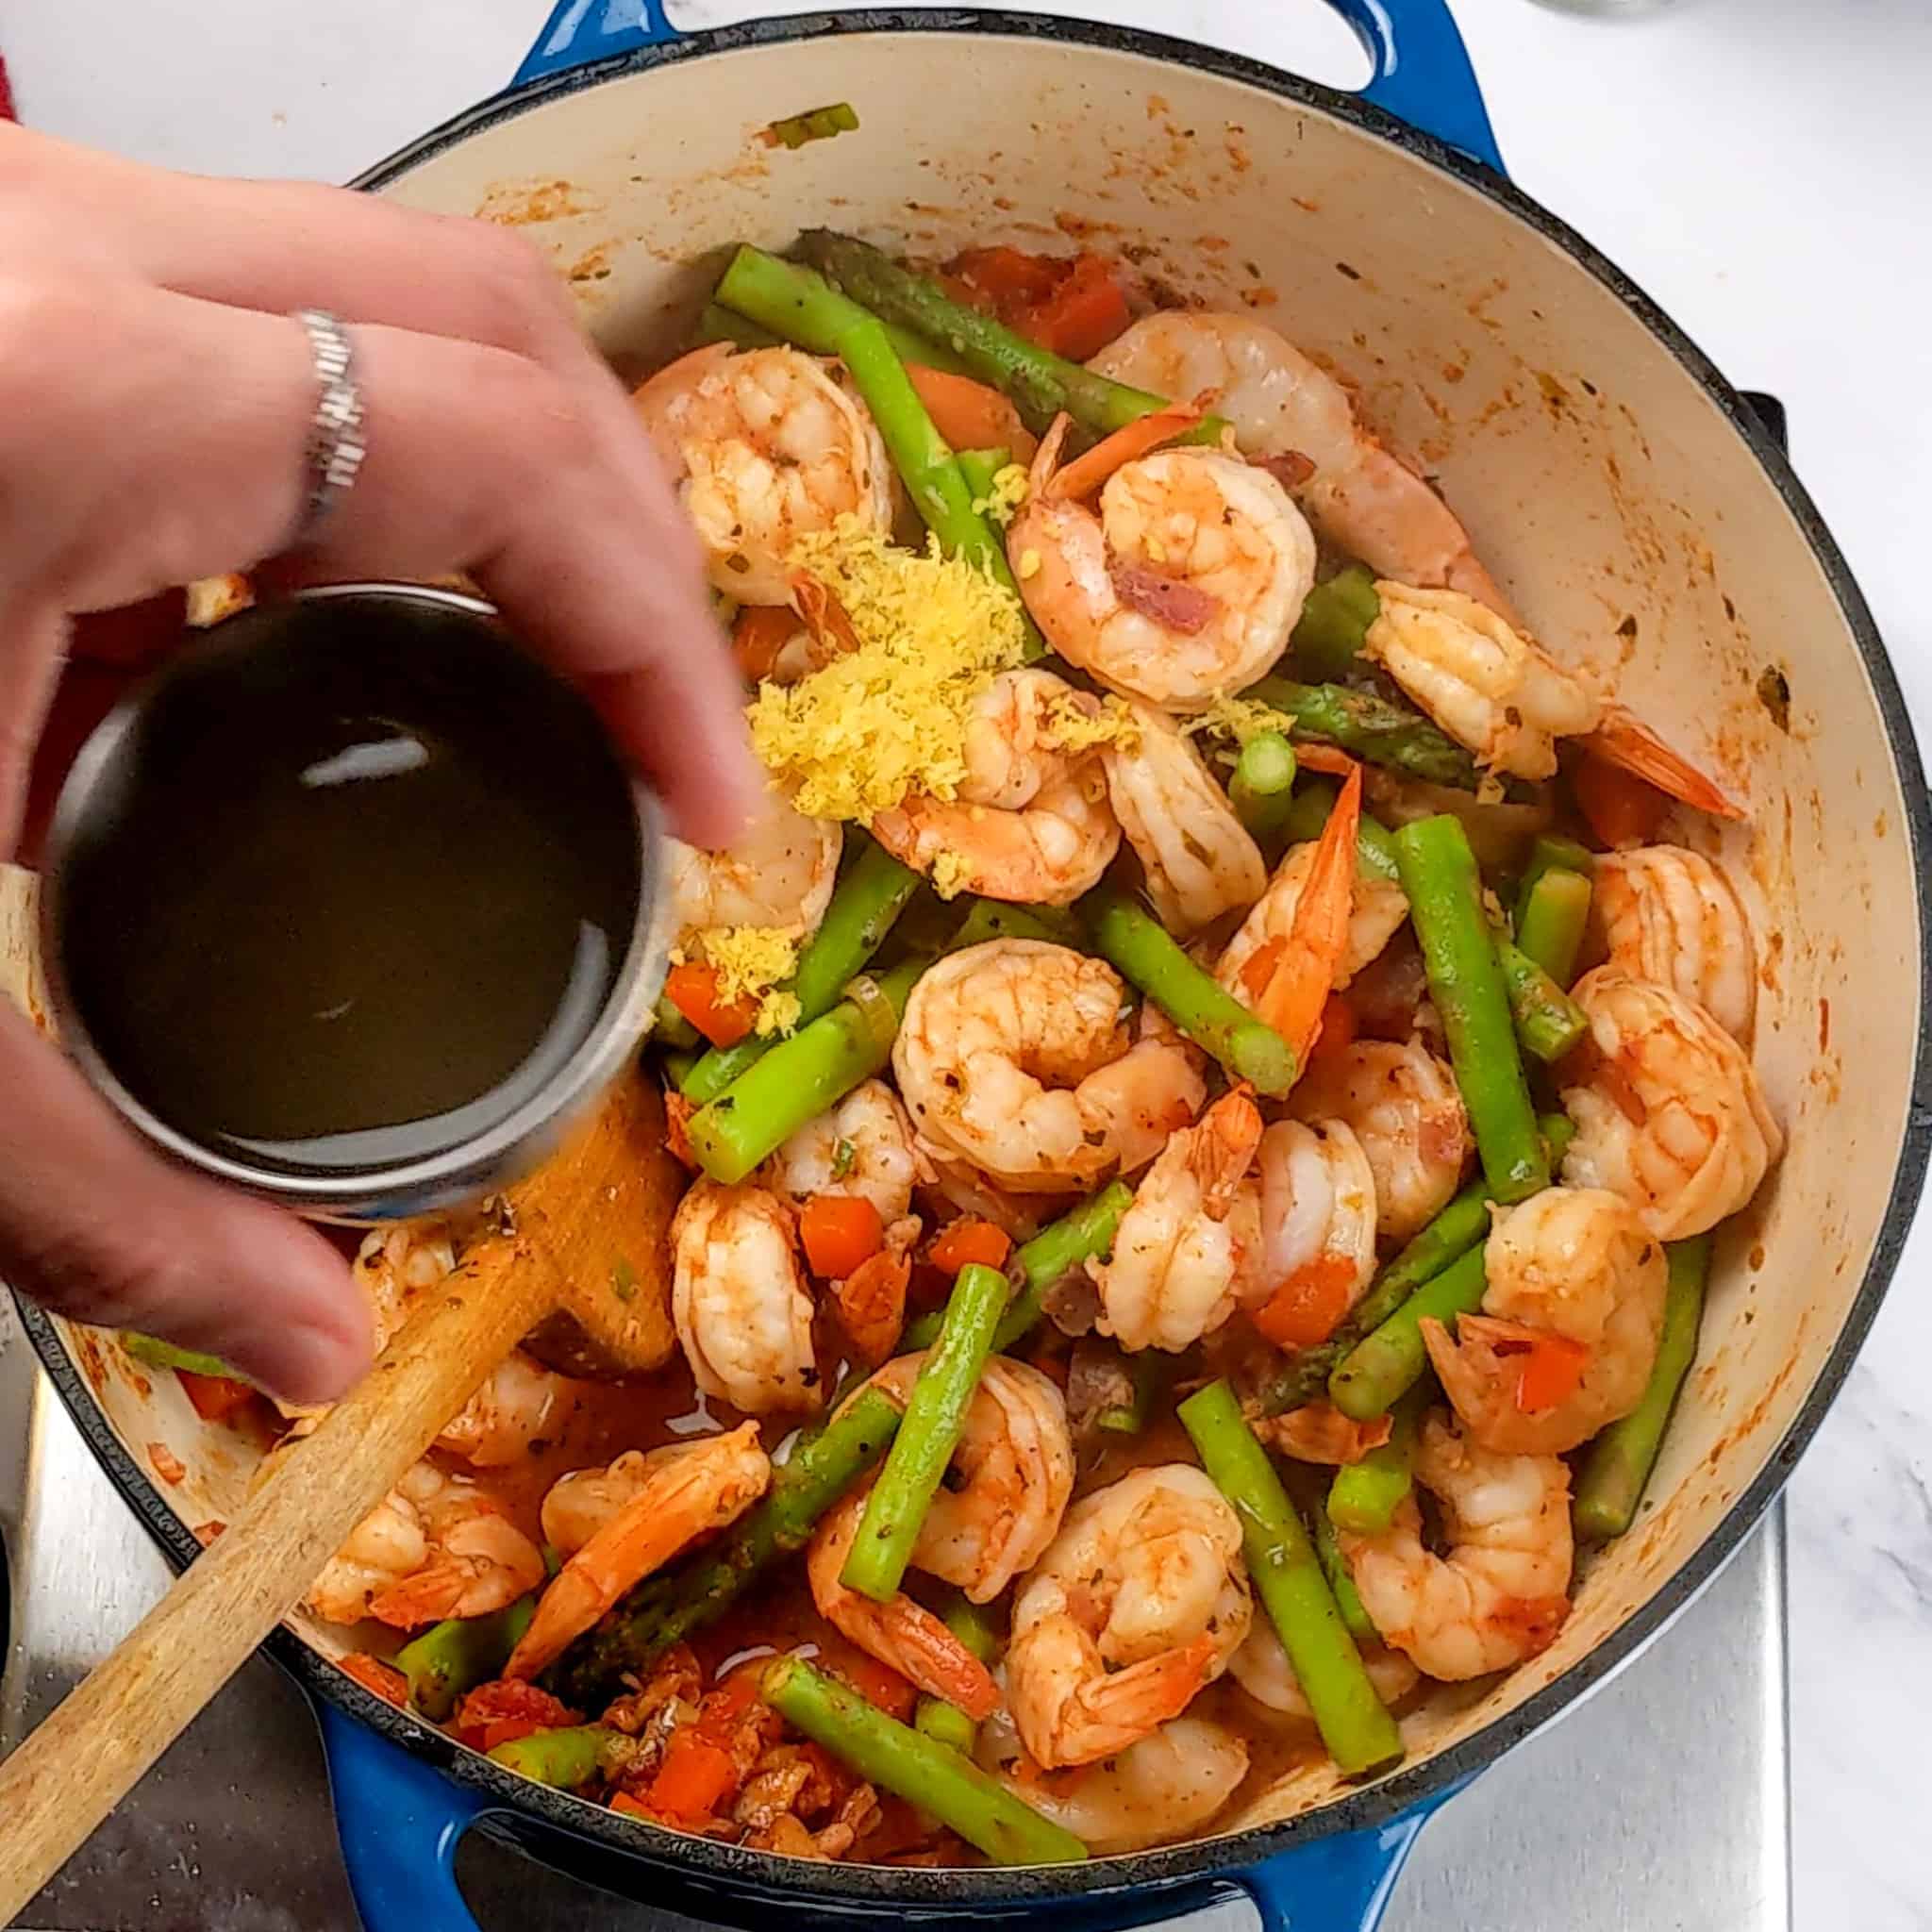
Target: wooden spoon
<point x="586" y="1234"/>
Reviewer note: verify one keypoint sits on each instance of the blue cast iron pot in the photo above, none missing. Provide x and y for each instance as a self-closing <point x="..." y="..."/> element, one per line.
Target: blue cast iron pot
<point x="1620" y="489"/>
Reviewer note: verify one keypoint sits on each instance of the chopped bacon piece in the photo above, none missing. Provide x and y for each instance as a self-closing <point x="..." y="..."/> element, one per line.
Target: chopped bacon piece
<point x="1171" y="604"/>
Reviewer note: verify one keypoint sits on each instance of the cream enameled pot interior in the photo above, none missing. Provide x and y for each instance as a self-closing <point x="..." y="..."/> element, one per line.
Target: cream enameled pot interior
<point x="1612" y="497"/>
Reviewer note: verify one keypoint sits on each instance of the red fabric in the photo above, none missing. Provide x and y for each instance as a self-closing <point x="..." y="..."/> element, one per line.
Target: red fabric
<point x="6" y="112"/>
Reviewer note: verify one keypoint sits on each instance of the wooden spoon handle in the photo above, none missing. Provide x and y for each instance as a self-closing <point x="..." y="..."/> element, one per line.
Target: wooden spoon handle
<point x="84" y="1760"/>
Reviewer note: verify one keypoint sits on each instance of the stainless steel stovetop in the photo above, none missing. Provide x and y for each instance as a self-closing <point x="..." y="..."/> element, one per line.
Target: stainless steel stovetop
<point x="1659" y="1807"/>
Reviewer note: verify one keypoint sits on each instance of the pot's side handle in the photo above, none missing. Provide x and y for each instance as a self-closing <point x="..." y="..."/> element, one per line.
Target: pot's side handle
<point x="580" y="31"/>
<point x="1421" y="75"/>
<point x="1338" y="1884"/>
<point x="400" y="1822"/>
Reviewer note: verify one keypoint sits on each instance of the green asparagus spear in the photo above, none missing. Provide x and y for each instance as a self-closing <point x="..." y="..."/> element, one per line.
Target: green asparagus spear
<point x="680" y="1066"/>
<point x="1438" y="873"/>
<point x="670" y="1029"/>
<point x="993" y="919"/>
<point x="1262" y="788"/>
<point x="666" y="1608"/>
<point x="1548" y="1021"/>
<point x="1550" y="919"/>
<point x="456" y="1656"/>
<point x="819" y="123"/>
<point x="1619" y="1461"/>
<point x="1040" y="385"/>
<point x="1456" y="1230"/>
<point x="864" y="904"/>
<point x="1359" y="1733"/>
<point x="935" y="1413"/>
<point x="1375" y="843"/>
<point x="1548" y="853"/>
<point x="1371" y="727"/>
<point x="981" y="469"/>
<point x="1334" y="620"/>
<point x="718" y="324"/>
<point x="564" y="1758"/>
<point x="801" y="1077"/>
<point x="1365" y="1495"/>
<point x="1335" y="1568"/>
<point x="897" y="1759"/>
<point x="1148" y="1373"/>
<point x="805" y="308"/>
<point x="1388" y="1362"/>
<point x="1137" y="945"/>
<point x="1049" y="1257"/>
<point x="157" y="1353"/>
<point x="946" y="1722"/>
<point x="721" y="325"/>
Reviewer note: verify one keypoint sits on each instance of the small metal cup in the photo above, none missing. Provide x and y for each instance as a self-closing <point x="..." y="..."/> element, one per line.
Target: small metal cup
<point x="462" y="1172"/>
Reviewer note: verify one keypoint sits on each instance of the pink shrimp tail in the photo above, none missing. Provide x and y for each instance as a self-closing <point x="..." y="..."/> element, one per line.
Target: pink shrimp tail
<point x="1620" y="740"/>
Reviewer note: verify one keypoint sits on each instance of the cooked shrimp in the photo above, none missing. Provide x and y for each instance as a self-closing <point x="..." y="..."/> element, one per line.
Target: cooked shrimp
<point x="1672" y="917"/>
<point x="1031" y="824"/>
<point x="1362" y="498"/>
<point x="436" y="1547"/>
<point x="739" y="1300"/>
<point x="1007" y="1485"/>
<point x="1491" y="689"/>
<point x="1572" y="1264"/>
<point x="578" y="1506"/>
<point x="687" y="1490"/>
<point x="511" y="1409"/>
<point x="1141" y="1601"/>
<point x="1376" y="913"/>
<point x="1403" y="1105"/>
<point x="1198" y="859"/>
<point x="514" y="1404"/>
<point x="1004" y="1061"/>
<point x="1168" y="1784"/>
<point x="1189" y="1235"/>
<point x="1185" y="583"/>
<point x="779" y="872"/>
<point x="765" y="448"/>
<point x="1262" y="1669"/>
<point x="1502" y="1592"/>
<point x="1631" y="745"/>
<point x="1668" y="1109"/>
<point x="861" y="1147"/>
<point x="902" y="1634"/>
<point x="1318" y="1432"/>
<point x="1317" y="1213"/>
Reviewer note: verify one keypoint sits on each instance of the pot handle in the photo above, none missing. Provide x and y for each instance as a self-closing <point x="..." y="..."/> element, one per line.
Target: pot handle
<point x="1422" y="74"/>
<point x="400" y="1822"/>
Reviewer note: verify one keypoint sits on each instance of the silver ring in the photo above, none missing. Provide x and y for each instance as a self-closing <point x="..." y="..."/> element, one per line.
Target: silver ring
<point x="337" y="443"/>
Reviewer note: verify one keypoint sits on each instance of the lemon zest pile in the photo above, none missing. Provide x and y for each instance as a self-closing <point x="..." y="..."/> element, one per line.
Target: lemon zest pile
<point x="750" y="960"/>
<point x="889" y="718"/>
<point x="1077" y="723"/>
<point x="1002" y="502"/>
<point x="1239" y="719"/>
<point x="951" y="874"/>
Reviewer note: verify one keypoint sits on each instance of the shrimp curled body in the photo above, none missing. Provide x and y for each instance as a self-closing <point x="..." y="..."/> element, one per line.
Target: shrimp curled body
<point x="1571" y="1263"/>
<point x="1012" y="1059"/>
<point x="1668" y="1109"/>
<point x="1501" y="1594"/>
<point x="765" y="448"/>
<point x="1141" y="1601"/>
<point x="1185" y="583"/>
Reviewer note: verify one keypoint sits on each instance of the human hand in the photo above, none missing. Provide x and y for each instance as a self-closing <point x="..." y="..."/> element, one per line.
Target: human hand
<point x="155" y="394"/>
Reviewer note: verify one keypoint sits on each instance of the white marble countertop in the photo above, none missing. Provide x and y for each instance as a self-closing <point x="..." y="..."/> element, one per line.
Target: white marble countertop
<point x="1763" y="168"/>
